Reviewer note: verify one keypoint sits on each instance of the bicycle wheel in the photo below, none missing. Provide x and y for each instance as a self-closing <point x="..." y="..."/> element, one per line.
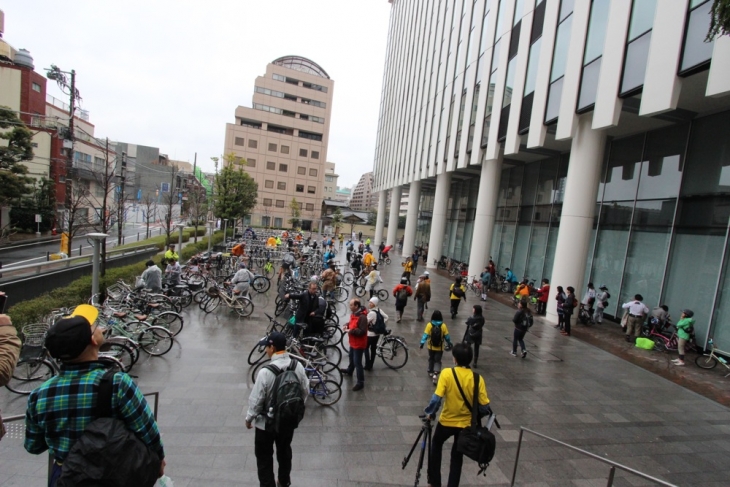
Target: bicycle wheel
<point x="257" y="353"/>
<point x="659" y="344"/>
<point x="326" y="392"/>
<point x="29" y="374"/>
<point x="261" y="284"/>
<point x="383" y="295"/>
<point x="706" y="362"/>
<point x="243" y="306"/>
<point x="185" y="298"/>
<point x="333" y="354"/>
<point x="341" y="294"/>
<point x="331" y="371"/>
<point x="388" y="261"/>
<point x="360" y="291"/>
<point x="348" y="278"/>
<point x="155" y="340"/>
<point x="170" y="320"/>
<point x="345" y="342"/>
<point x="269" y="270"/>
<point x="333" y="334"/>
<point x="197" y="279"/>
<point x="280" y="308"/>
<point x="394" y="353"/>
<point x="199" y="296"/>
<point x="258" y="367"/>
<point x="124" y="354"/>
<point x="212" y="304"/>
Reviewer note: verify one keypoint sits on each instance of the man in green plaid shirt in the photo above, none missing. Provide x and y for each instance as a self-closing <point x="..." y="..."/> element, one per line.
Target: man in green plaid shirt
<point x="60" y="409"/>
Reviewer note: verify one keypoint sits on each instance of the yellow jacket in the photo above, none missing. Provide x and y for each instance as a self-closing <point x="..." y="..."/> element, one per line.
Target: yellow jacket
<point x="368" y="260"/>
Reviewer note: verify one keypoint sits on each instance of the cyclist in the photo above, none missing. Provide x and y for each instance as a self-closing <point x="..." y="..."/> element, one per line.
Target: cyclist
<point x="171" y="254"/>
<point x="401" y="293"/>
<point x="237" y="250"/>
<point x="373" y="280"/>
<point x="242" y="280"/>
<point x="329" y="280"/>
<point x="381" y="250"/>
<point x="287" y="262"/>
<point x="407" y="269"/>
<point x="368" y="259"/>
<point x="510" y="278"/>
<point x="457" y="292"/>
<point x="385" y="251"/>
<point x="542" y="297"/>
<point x="172" y="272"/>
<point x="486" y="279"/>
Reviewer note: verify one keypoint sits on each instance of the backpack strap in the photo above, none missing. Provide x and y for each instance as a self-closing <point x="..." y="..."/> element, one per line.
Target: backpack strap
<point x="104" y="394"/>
<point x="461" y="391"/>
<point x="475" y="409"/>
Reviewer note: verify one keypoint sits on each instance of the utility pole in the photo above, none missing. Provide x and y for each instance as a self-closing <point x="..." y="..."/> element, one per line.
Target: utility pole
<point x="120" y="205"/>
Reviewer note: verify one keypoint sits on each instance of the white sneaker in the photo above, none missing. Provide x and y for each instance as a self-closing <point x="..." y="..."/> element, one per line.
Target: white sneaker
<point x="513" y="354"/>
<point x="678" y="362"/>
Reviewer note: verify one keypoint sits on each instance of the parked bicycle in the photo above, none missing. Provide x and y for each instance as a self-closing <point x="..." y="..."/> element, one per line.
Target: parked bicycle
<point x="710" y="360"/>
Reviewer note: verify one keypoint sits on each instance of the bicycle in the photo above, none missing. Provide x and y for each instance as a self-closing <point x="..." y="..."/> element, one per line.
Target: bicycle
<point x="382" y="294"/>
<point x="217" y="295"/>
<point x="392" y="349"/>
<point x="709" y="361"/>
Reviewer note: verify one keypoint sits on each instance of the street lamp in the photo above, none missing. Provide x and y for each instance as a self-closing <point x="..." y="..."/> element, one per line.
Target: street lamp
<point x="97" y="238"/>
<point x="179" y="227"/>
<point x="211" y="226"/>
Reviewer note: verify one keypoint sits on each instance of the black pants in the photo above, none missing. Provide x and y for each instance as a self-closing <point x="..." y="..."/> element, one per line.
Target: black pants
<point x="541" y="306"/>
<point x="476" y="344"/>
<point x="566" y="318"/>
<point x="455" y="306"/>
<point x="440" y="435"/>
<point x="561" y="319"/>
<point x="370" y="352"/>
<point x="264" y="449"/>
<point x="518" y="337"/>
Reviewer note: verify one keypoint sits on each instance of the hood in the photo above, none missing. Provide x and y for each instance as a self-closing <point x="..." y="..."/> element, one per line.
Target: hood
<point x="436" y="323"/>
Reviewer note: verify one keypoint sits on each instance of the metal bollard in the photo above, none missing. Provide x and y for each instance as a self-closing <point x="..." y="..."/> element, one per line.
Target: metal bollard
<point x="79" y="249"/>
<point x="48" y="256"/>
<point x="137" y="236"/>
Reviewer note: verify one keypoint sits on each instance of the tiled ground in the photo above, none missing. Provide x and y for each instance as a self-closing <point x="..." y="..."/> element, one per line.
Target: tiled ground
<point x="565" y="388"/>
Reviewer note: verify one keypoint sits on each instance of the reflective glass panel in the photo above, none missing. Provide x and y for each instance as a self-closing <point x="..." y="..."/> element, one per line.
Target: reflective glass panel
<point x="637" y="54"/>
<point x="532" y="66"/>
<point x="536" y="258"/>
<point x="589" y="84"/>
<point x="514" y="189"/>
<point x="552" y="243"/>
<point x="496" y="239"/>
<point x="610" y="247"/>
<point x="566" y="8"/>
<point x="642" y="18"/>
<point x="596" y="30"/>
<point x="622" y="174"/>
<point x="661" y="171"/>
<point x="507" y="242"/>
<point x="522" y="244"/>
<point x="546" y="181"/>
<point x="501" y="27"/>
<point x="560" y="55"/>
<point x="707" y="169"/>
<point x="483" y="41"/>
<point x="553" y="104"/>
<point x="519" y="10"/>
<point x="510" y="82"/>
<point x="529" y="185"/>
<point x="721" y="325"/>
<point x="696" y="50"/>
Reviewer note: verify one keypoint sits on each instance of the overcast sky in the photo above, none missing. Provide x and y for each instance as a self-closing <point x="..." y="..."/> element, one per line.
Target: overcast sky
<point x="170" y="74"/>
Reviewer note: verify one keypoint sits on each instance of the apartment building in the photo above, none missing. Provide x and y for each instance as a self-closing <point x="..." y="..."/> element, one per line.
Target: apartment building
<point x="575" y="141"/>
<point x="363" y="198"/>
<point x="281" y="140"/>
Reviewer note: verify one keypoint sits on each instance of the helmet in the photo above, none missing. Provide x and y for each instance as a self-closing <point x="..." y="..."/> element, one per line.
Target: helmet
<point x="688" y="313"/>
<point x="603" y="286"/>
<point x="241" y="265"/>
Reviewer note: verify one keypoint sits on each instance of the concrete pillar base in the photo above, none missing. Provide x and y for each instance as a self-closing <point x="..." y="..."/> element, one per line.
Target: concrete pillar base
<point x="414" y="200"/>
<point x="438" y="222"/>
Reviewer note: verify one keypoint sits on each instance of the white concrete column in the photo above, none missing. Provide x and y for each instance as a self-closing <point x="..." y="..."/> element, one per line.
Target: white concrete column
<point x="395" y="195"/>
<point x="481" y="240"/>
<point x="579" y="204"/>
<point x="409" y="237"/>
<point x="380" y="222"/>
<point x="438" y="221"/>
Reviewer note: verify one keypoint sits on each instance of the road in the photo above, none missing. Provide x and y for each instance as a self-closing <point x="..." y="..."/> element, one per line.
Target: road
<point x="36" y="252"/>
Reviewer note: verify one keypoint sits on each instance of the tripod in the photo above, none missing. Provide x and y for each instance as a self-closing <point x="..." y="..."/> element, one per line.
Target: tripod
<point x="425" y="443"/>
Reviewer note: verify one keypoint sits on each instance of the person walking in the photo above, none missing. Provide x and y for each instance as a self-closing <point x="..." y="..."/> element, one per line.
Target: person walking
<point x="241" y="280"/>
<point x="171" y="254"/>
<point x="259" y="406"/>
<point x="422" y="295"/>
<point x="357" y="334"/>
<point x="407" y="270"/>
<point x="601" y="302"/>
<point x="456" y="414"/>
<point x="637" y="314"/>
<point x="359" y="236"/>
<point x="560" y="297"/>
<point x="457" y="292"/>
<point x="685" y="328"/>
<point x="510" y="278"/>
<point x="568" y="307"/>
<point x="473" y="335"/>
<point x="589" y="299"/>
<point x="62" y="407"/>
<point x="401" y="293"/>
<point x="486" y="279"/>
<point x="522" y="320"/>
<point x="435" y="335"/>
<point x="542" y="297"/>
<point x="492" y="269"/>
<point x="374" y="313"/>
<point x="414" y="259"/>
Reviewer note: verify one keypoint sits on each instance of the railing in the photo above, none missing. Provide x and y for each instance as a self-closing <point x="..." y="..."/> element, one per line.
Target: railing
<point x="82" y="114"/>
<point x="51" y="265"/>
<point x="611" y="472"/>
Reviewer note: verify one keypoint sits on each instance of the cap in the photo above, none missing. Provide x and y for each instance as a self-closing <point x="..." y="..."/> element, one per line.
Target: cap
<point x="603" y="286"/>
<point x="404" y="280"/>
<point x="241" y="265"/>
<point x="688" y="313"/>
<point x="426" y="273"/>
<point x="69" y="336"/>
<point x="375" y="301"/>
<point x="278" y="340"/>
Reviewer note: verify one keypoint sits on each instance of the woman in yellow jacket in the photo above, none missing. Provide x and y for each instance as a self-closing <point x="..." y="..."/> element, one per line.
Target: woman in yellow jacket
<point x="435" y="335"/>
<point x="457" y="292"/>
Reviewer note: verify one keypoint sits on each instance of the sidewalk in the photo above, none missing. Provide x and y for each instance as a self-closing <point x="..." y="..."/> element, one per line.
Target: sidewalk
<point x="565" y="388"/>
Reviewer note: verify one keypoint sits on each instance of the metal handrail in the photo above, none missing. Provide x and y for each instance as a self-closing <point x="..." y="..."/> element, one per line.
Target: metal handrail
<point x="611" y="473"/>
<point x="87" y="258"/>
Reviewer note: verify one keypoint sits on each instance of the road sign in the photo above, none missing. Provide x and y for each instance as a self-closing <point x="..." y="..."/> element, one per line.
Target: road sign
<point x="38" y="219"/>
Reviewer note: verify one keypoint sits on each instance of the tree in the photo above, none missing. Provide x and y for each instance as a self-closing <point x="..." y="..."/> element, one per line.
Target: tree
<point x="102" y="201"/>
<point x="372" y="216"/>
<point x="402" y="221"/>
<point x="197" y="207"/>
<point x="296" y="213"/>
<point x="337" y="220"/>
<point x="719" y="20"/>
<point x="14" y="182"/>
<point x="169" y="198"/>
<point x="149" y="211"/>
<point x="76" y="211"/>
<point x="235" y="191"/>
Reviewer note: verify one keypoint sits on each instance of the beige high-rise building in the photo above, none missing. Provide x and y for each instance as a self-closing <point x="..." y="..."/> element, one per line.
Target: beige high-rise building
<point x="282" y="140"/>
<point x="363" y="198"/>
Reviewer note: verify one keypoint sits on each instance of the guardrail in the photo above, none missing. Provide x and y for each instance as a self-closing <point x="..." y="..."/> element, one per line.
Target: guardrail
<point x="611" y="472"/>
<point x="51" y="265"/>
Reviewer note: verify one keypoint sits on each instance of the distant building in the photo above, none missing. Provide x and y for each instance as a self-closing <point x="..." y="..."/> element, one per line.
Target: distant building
<point x="281" y="141"/>
<point x="363" y="198"/>
<point x="329" y="188"/>
<point x="343" y="195"/>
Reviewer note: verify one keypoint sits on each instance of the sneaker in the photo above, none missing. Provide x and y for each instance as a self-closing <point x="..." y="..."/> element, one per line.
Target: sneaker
<point x="430" y="373"/>
<point x="679" y="362"/>
<point x="345" y="372"/>
<point x="514" y="354"/>
<point x="358" y="387"/>
<point x="524" y="353"/>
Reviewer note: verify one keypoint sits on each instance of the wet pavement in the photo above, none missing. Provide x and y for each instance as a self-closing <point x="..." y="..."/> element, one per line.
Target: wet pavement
<point x="566" y="388"/>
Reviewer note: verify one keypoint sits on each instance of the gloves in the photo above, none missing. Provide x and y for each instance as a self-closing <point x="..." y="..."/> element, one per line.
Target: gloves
<point x="421" y="345"/>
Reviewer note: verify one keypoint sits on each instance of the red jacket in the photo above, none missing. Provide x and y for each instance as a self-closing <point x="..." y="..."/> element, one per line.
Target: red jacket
<point x="359" y="321"/>
<point x="543" y="293"/>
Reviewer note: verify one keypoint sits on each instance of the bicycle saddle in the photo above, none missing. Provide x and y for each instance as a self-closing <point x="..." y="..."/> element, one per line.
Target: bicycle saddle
<point x="387" y="332"/>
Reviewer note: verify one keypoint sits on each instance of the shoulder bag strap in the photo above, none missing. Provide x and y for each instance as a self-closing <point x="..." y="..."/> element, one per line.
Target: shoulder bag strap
<point x="474" y="411"/>
<point x="104" y="394"/>
<point x="461" y="391"/>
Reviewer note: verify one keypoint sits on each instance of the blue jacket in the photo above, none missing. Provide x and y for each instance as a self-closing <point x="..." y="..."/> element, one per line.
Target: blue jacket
<point x="510" y="277"/>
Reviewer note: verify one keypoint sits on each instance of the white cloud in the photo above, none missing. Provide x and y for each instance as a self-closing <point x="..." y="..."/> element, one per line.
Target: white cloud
<point x="170" y="74"/>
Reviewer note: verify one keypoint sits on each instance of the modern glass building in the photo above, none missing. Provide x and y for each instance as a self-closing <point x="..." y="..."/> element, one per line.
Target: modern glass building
<point x="572" y="140"/>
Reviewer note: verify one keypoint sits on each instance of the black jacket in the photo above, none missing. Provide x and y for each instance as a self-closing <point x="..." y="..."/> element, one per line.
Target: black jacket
<point x="517" y="320"/>
<point x="475" y="324"/>
<point x="307" y="304"/>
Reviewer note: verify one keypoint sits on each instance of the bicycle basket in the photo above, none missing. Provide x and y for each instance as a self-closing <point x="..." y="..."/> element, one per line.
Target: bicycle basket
<point x="212" y="291"/>
<point x="115" y="292"/>
<point x="34" y="334"/>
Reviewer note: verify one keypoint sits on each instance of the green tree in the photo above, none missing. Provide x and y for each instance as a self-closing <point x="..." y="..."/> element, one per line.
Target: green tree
<point x="235" y="191"/>
<point x="719" y="20"/>
<point x="296" y="213"/>
<point x="337" y="220"/>
<point x="372" y="216"/>
<point x="16" y="148"/>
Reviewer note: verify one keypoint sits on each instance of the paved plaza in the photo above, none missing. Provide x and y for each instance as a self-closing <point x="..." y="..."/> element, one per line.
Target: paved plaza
<point x="565" y="388"/>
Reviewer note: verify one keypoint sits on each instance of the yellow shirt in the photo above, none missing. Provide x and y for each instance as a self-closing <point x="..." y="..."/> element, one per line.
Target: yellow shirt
<point x="408" y="267"/>
<point x="271" y="242"/>
<point x="455" y="412"/>
<point x="368" y="260"/>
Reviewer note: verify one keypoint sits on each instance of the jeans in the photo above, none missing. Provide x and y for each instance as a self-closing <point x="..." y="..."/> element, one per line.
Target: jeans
<point x="356" y="364"/>
<point x="421" y="304"/>
<point x="264" y="449"/>
<point x="566" y="320"/>
<point x="440" y="435"/>
<point x="370" y="352"/>
<point x="434" y="359"/>
<point x="518" y="337"/>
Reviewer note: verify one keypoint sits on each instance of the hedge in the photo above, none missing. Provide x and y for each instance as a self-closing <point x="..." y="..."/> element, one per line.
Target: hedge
<point x="160" y="240"/>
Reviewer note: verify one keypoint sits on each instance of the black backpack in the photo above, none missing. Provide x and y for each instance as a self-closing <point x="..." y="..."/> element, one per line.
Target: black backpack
<point x="402" y="295"/>
<point x="286" y="408"/>
<point x="456" y="291"/>
<point x="379" y="326"/>
<point x="527" y="321"/>
<point x="108" y="453"/>
<point x="436" y="336"/>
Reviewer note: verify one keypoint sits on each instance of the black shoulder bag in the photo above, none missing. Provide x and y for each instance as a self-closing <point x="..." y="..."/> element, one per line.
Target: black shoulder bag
<point x="475" y="441"/>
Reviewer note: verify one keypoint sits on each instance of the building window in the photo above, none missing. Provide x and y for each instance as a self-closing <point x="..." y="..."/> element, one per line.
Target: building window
<point x="272" y="147"/>
<point x="36" y="87"/>
<point x="315" y="154"/>
<point x="284" y="149"/>
<point x="281" y="185"/>
<point x="310" y="206"/>
<point x="267" y="201"/>
<point x="283" y="167"/>
<point x="637" y="45"/>
<point x="300" y="188"/>
<point x="697" y="53"/>
<point x="269" y="184"/>
<point x="301" y="170"/>
<point x="313" y="172"/>
<point x="279" y="77"/>
<point x="311" y="189"/>
<point x="251" y="162"/>
<point x="302" y="152"/>
<point x="280" y="203"/>
<point x="310" y="136"/>
<point x="271" y="166"/>
<point x="278" y="222"/>
<point x="253" y="144"/>
<point x="238" y="141"/>
<point x="266" y="91"/>
<point x="329" y="179"/>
